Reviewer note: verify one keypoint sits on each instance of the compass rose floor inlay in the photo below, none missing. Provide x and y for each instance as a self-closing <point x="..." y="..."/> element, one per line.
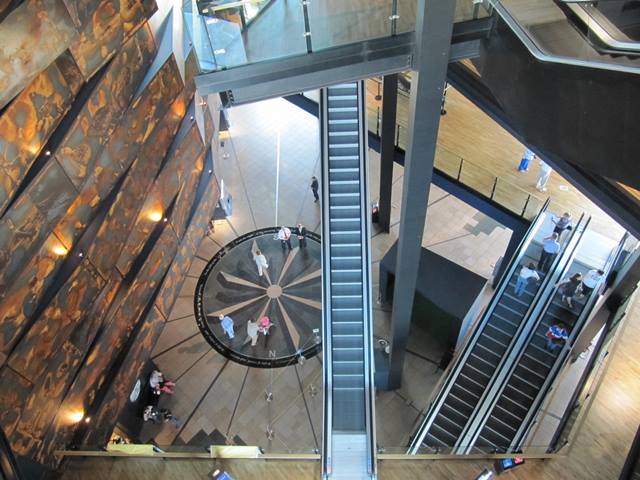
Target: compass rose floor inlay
<point x="289" y="293"/>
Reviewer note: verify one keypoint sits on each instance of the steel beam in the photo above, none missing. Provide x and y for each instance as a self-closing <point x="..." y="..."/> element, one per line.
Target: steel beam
<point x="434" y="25"/>
<point x="387" y="147"/>
<point x="284" y="76"/>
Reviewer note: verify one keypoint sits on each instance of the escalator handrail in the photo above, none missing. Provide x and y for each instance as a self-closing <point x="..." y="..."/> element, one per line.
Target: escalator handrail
<point x="542" y="55"/>
<point x="326" y="294"/>
<point x="509" y="360"/>
<point x="599" y="26"/>
<point x="551" y="379"/>
<point x="458" y="363"/>
<point x="367" y="304"/>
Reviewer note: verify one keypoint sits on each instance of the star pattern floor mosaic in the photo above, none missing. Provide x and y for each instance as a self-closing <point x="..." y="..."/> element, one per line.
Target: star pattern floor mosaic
<point x="288" y="293"/>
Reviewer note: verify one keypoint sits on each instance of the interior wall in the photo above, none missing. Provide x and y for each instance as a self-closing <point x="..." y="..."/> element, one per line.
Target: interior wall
<point x="106" y="189"/>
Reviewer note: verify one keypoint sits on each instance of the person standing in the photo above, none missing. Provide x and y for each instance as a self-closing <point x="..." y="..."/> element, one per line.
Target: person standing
<point x="261" y="262"/>
<point x="314" y="189"/>
<point x="302" y="235"/>
<point x="252" y="332"/>
<point x="550" y="248"/>
<point x="557" y="335"/>
<point x="264" y="324"/>
<point x="523" y="278"/>
<point x="563" y="223"/>
<point x="569" y="287"/>
<point x="284" y="235"/>
<point x="543" y="176"/>
<point x="527" y="156"/>
<point x="591" y="280"/>
<point x="227" y="325"/>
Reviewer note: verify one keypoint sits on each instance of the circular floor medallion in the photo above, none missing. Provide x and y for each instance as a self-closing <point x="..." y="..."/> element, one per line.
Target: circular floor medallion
<point x="289" y="293"/>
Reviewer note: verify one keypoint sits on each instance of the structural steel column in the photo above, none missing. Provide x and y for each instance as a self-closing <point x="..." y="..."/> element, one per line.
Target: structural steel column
<point x="514" y="242"/>
<point x="434" y="26"/>
<point x="387" y="147"/>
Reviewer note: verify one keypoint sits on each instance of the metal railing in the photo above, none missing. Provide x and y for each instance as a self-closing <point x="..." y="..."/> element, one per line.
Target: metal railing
<point x="480" y="179"/>
<point x="563" y="263"/>
<point x="457" y="364"/>
<point x="222" y="34"/>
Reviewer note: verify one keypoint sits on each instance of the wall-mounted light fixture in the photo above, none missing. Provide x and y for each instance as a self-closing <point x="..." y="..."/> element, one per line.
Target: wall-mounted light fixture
<point x="155" y="216"/>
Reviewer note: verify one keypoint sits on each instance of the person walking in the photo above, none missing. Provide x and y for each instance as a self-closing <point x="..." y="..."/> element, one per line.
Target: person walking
<point x="590" y="281"/>
<point x="557" y="335"/>
<point x="264" y="324"/>
<point x="563" y="223"/>
<point x="550" y="248"/>
<point x="314" y="189"/>
<point x="568" y="288"/>
<point x="252" y="332"/>
<point x="527" y="156"/>
<point x="284" y="235"/>
<point x="302" y="235"/>
<point x="543" y="176"/>
<point x="261" y="262"/>
<point x="227" y="325"/>
<point x="526" y="273"/>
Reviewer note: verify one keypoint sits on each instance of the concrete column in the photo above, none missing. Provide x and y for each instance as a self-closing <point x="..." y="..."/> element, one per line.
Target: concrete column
<point x="387" y="147"/>
<point x="434" y="25"/>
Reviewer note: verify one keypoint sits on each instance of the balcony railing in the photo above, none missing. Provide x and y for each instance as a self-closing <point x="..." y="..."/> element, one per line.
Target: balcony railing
<point x="232" y="33"/>
<point x="479" y="179"/>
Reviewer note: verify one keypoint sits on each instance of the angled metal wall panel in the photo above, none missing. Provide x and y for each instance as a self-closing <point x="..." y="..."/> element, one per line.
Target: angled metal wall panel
<point x="28" y="122"/>
<point x="163" y="191"/>
<point x="13" y="393"/>
<point x="44" y="29"/>
<point x="121" y="149"/>
<point x="68" y="308"/>
<point x="186" y="197"/>
<point x="24" y="293"/>
<point x="105" y="108"/>
<point x="28" y="223"/>
<point x="109" y="25"/>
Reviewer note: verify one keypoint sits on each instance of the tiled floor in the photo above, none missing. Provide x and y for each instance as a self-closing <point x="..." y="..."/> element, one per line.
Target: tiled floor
<point x="272" y="152"/>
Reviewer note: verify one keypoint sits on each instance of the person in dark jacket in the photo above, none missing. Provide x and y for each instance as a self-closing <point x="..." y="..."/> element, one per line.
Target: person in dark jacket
<point x="301" y="232"/>
<point x="314" y="189"/>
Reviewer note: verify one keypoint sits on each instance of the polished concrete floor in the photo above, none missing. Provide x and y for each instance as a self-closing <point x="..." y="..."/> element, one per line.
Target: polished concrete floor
<point x="268" y="161"/>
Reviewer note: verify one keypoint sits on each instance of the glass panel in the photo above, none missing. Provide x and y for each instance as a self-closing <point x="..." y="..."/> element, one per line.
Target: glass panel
<point x="198" y="33"/>
<point x="510" y="196"/>
<point x="406" y="16"/>
<point x="447" y="162"/>
<point x="554" y="32"/>
<point x="533" y="207"/>
<point x="238" y="32"/>
<point x="340" y="22"/>
<point x="470" y="10"/>
<point x="477" y="178"/>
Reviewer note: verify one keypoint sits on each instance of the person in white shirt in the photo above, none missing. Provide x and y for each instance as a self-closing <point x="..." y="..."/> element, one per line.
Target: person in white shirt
<point x="261" y="262"/>
<point x="591" y="280"/>
<point x="550" y="248"/>
<point x="523" y="278"/>
<point x="284" y="235"/>
<point x="252" y="332"/>
<point x="543" y="176"/>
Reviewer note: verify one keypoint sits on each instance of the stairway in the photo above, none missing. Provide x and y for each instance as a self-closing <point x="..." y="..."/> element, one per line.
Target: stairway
<point x="346" y="286"/>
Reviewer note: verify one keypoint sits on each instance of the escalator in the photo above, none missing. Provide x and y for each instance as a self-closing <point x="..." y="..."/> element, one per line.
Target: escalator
<point x="510" y="412"/>
<point x="487" y="349"/>
<point x="550" y="30"/>
<point x="613" y="26"/>
<point x="349" y="429"/>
